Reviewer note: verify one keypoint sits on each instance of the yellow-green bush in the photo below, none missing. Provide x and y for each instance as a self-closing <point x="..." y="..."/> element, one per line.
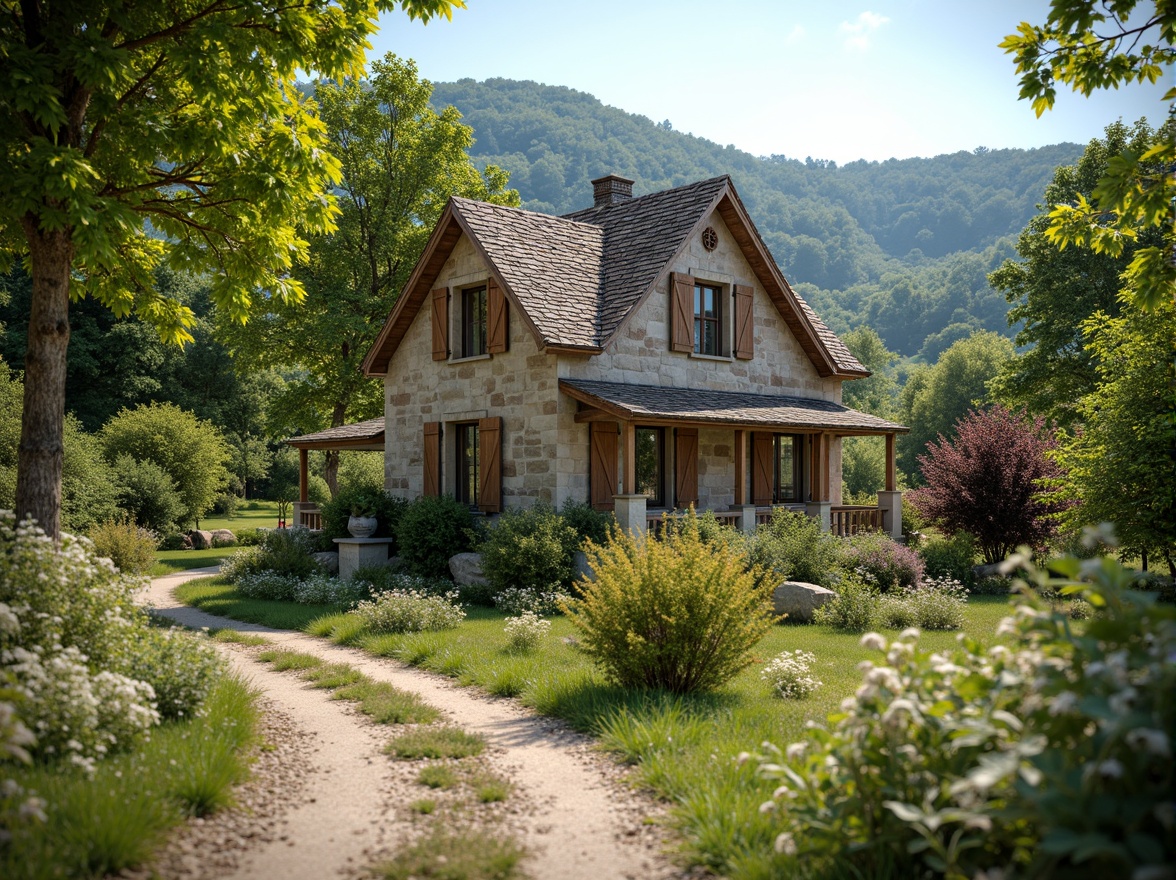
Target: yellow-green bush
<point x="130" y="547"/>
<point x="678" y="613"/>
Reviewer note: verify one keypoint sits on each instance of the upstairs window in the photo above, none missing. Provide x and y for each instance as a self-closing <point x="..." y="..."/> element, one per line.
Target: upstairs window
<point x="473" y="321"/>
<point x="708" y="336"/>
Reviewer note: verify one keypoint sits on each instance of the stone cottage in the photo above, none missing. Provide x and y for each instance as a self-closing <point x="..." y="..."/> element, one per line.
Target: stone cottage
<point x="643" y="355"/>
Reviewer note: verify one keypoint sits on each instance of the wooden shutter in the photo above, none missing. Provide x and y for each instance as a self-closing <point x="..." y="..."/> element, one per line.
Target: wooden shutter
<point x="744" y="324"/>
<point x="681" y="312"/>
<point x="490" y="464"/>
<point x="440" y="298"/>
<point x="686" y="467"/>
<point x="602" y="465"/>
<point x="763" y="471"/>
<point x="432" y="458"/>
<point x="498" y="329"/>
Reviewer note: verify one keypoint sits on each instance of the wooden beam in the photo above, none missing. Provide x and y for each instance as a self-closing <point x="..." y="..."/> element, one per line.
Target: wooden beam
<point x="592" y="414"/>
<point x="891" y="470"/>
<point x="303" y="478"/>
<point x="740" y="469"/>
<point x="629" y="445"/>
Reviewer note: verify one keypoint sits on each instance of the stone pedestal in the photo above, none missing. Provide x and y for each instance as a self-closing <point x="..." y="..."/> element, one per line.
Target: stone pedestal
<point x="822" y="512"/>
<point x="357" y="552"/>
<point x="747" y="518"/>
<point x="630" y="513"/>
<point x="891" y="502"/>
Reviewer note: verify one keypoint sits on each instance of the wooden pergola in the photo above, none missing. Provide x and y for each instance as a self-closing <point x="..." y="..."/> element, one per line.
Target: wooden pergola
<point x="362" y="436"/>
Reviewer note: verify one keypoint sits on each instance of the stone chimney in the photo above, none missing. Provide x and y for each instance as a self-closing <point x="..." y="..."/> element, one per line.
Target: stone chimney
<point x="612" y="189"/>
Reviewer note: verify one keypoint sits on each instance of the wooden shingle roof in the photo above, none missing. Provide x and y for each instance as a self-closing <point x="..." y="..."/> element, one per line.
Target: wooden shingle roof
<point x="361" y="435"/>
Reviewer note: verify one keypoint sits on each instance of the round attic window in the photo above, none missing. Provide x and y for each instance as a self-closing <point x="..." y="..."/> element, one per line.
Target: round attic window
<point x="710" y="238"/>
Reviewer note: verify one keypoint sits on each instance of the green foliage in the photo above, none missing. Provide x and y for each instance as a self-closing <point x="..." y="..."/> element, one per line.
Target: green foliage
<point x="529" y="549"/>
<point x="432" y="529"/>
<point x="436" y="742"/>
<point x="589" y="523"/>
<point x="362" y="500"/>
<point x="792" y="547"/>
<point x="401" y="611"/>
<point x="468" y="855"/>
<point x="130" y="547"/>
<point x="192" y="452"/>
<point x="283" y="552"/>
<point x="881" y="561"/>
<point x="148" y="494"/>
<point x="1138" y="188"/>
<point x="1050" y="754"/>
<point x="951" y="557"/>
<point x="676" y="614"/>
<point x="360" y="468"/>
<point x="853" y="610"/>
<point x="181" y="668"/>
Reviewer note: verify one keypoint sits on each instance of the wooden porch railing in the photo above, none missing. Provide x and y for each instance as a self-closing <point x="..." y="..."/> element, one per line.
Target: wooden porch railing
<point x="655" y="518"/>
<point x="848" y="521"/>
<point x="311" y="519"/>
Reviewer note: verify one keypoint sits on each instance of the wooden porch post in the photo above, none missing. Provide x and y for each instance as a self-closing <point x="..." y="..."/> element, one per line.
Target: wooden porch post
<point x="891" y="473"/>
<point x="629" y="446"/>
<point x="303" y="478"/>
<point x="740" y="470"/>
<point x="820" y="469"/>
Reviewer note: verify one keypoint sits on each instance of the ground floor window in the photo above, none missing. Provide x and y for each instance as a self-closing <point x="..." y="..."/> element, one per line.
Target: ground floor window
<point x="787" y="457"/>
<point x="468" y="471"/>
<point x="651" y="465"/>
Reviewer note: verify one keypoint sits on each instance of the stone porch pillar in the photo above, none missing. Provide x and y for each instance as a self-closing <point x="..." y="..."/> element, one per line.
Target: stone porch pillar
<point x="746" y="518"/>
<point x="822" y="512"/>
<point x="891" y="503"/>
<point x="630" y="513"/>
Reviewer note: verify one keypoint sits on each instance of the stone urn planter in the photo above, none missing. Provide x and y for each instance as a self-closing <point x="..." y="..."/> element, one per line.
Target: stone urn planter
<point x="361" y="526"/>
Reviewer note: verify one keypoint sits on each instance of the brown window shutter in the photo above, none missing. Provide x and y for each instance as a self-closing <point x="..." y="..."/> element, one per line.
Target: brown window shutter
<point x="432" y="458"/>
<point x="686" y="467"/>
<point x="681" y="312"/>
<point x="602" y="466"/>
<point x="762" y="468"/>
<point x="440" y="298"/>
<point x="744" y="324"/>
<point x="490" y="464"/>
<point x="497" y="317"/>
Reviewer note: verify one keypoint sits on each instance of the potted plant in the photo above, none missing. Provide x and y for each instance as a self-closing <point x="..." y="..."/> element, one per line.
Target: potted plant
<point x="362" y="522"/>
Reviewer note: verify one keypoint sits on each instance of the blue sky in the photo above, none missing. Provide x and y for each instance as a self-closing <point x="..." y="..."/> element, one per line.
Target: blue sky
<point x="830" y="80"/>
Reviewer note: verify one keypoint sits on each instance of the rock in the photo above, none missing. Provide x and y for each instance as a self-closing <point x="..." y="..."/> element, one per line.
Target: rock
<point x="223" y="538"/>
<point x="328" y="561"/>
<point x="983" y="572"/>
<point x="466" y="569"/>
<point x="799" y="600"/>
<point x="201" y="540"/>
<point x="187" y="541"/>
<point x="581" y="568"/>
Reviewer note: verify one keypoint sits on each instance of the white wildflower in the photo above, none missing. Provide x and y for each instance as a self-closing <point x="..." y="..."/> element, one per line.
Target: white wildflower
<point x="767" y="807"/>
<point x="874" y="641"/>
<point x="1153" y="741"/>
<point x="795" y="751"/>
<point x="1065" y="702"/>
<point x="910" y="634"/>
<point x="786" y="844"/>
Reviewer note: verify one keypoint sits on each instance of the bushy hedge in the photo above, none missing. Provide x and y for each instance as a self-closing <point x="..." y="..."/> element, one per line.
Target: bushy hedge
<point x="529" y="549"/>
<point x="951" y="557"/>
<point x="590" y="524"/>
<point x="676" y="614"/>
<point x="792" y="546"/>
<point x="432" y="529"/>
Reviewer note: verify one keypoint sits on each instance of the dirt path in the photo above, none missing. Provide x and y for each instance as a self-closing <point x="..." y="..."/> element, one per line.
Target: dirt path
<point x="581" y="821"/>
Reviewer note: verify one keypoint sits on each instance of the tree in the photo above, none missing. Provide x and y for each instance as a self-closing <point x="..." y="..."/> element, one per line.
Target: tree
<point x="1091" y="45"/>
<point x="989" y="481"/>
<point x="140" y="133"/>
<point x="401" y="160"/>
<point x="1120" y="465"/>
<point x="192" y="452"/>
<point x="863" y="459"/>
<point x="934" y="399"/>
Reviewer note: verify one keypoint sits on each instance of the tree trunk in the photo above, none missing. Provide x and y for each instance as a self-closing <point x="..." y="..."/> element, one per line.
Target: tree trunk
<point x="41" y="454"/>
<point x="331" y="467"/>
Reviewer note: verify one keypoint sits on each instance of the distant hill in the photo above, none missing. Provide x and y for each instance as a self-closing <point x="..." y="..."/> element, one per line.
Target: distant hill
<point x="903" y="245"/>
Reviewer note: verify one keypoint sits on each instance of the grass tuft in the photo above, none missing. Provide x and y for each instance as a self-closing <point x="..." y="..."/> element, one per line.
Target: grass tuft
<point x="284" y="659"/>
<point x="436" y="742"/>
<point x="386" y="704"/>
<point x="236" y="637"/>
<point x="332" y="676"/>
<point x="437" y="776"/>
<point x="446" y="854"/>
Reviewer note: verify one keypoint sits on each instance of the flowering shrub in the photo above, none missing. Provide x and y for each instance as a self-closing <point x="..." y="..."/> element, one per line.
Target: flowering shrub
<point x="381" y="578"/>
<point x="180" y="667"/>
<point x="1051" y="755"/>
<point x="937" y="604"/>
<point x="852" y="610"/>
<point x="322" y="589"/>
<point x="265" y="584"/>
<point x="789" y="675"/>
<point x="285" y="552"/>
<point x="401" y="611"/>
<point x="525" y="632"/>
<point x="541" y="602"/>
<point x="882" y="561"/>
<point x="677" y="613"/>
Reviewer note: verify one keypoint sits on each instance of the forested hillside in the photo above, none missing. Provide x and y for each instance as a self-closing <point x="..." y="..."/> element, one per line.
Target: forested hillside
<point x="904" y="245"/>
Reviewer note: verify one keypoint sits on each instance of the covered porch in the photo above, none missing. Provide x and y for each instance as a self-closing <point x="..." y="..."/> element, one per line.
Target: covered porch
<point x="362" y="436"/>
<point x="655" y="450"/>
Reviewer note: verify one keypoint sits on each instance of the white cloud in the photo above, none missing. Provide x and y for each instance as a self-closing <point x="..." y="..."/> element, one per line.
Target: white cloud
<point x="857" y="33"/>
<point x="795" y="35"/>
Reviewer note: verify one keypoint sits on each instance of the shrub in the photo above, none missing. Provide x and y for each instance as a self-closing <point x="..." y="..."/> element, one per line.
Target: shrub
<point x="402" y="611"/>
<point x="543" y="603"/>
<point x="381" y="578"/>
<point x="530" y="550"/>
<point x="525" y="632"/>
<point x="882" y="561"/>
<point x="225" y="504"/>
<point x="322" y="589"/>
<point x="789" y="674"/>
<point x="265" y="584"/>
<point x="951" y="557"/>
<point x="130" y="547"/>
<point x="937" y="604"/>
<point x="893" y="611"/>
<point x="589" y="523"/>
<point x="676" y="614"/>
<point x="285" y="552"/>
<point x="1050" y="755"/>
<point x="853" y="609"/>
<point x="372" y="501"/>
<point x="148" y="494"/>
<point x="432" y="529"/>
<point x="988" y="481"/>
<point x="250" y="537"/>
<point x="180" y="667"/>
<point x="992" y="586"/>
<point x="317" y="490"/>
<point x="174" y="541"/>
<point x="792" y="546"/>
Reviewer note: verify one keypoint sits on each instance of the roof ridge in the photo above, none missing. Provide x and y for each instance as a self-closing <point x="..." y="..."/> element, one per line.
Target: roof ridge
<point x="658" y="193"/>
<point x="518" y="210"/>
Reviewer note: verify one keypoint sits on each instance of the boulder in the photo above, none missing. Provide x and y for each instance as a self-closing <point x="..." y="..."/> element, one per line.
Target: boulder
<point x="466" y="569"/>
<point x="799" y="600"/>
<point x="223" y="538"/>
<point x="201" y="540"/>
<point x="187" y="539"/>
<point x="328" y="561"/>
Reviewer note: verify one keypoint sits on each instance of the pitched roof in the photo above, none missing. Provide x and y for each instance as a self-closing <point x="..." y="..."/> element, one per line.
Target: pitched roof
<point x="576" y="279"/>
<point x="361" y="435"/>
<point x="692" y="405"/>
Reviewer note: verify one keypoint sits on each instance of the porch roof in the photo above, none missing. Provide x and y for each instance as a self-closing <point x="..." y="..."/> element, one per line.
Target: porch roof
<point x="367" y="435"/>
<point x="738" y="409"/>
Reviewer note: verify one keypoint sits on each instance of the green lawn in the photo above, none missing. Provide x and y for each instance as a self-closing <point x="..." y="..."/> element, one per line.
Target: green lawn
<point x="249" y="515"/>
<point x="684" y="748"/>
